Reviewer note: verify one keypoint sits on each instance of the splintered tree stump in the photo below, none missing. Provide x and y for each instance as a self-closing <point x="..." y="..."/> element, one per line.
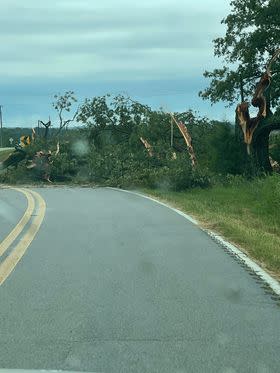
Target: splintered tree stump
<point x="253" y="133"/>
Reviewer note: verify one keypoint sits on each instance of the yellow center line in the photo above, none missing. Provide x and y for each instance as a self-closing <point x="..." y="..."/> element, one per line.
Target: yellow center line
<point x="6" y="243"/>
<point x="8" y="265"/>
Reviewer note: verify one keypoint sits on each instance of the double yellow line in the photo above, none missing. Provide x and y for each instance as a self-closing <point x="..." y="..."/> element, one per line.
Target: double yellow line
<point x="10" y="262"/>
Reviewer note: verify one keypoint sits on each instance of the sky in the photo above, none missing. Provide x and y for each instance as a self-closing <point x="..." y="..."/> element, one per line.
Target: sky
<point x="153" y="50"/>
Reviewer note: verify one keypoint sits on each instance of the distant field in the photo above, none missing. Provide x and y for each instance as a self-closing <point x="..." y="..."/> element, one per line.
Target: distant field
<point x="245" y="213"/>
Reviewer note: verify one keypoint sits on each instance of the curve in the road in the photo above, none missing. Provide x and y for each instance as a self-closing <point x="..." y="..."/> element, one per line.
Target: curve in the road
<point x="232" y="249"/>
<point x="11" y="237"/>
<point x="10" y="262"/>
<point x="115" y="283"/>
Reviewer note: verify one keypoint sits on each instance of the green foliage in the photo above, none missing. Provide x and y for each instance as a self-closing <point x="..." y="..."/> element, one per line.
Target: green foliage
<point x="109" y="150"/>
<point x="63" y="167"/>
<point x="275" y="147"/>
<point x="4" y="154"/>
<point x="252" y="36"/>
<point x="112" y="119"/>
<point x="224" y="86"/>
<point x="179" y="175"/>
<point x="63" y="103"/>
<point x="224" y="155"/>
<point x="15" y="134"/>
<point x="116" y="165"/>
<point x="19" y="175"/>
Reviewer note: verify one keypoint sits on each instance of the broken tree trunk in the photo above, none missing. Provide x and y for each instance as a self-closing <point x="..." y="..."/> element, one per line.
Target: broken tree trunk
<point x="148" y="146"/>
<point x="188" y="140"/>
<point x="47" y="126"/>
<point x="254" y="132"/>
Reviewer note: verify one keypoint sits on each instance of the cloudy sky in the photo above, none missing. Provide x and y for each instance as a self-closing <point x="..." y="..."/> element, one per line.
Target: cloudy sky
<point x="153" y="50"/>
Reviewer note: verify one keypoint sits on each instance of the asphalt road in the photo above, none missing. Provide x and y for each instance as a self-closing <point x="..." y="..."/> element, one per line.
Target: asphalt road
<point x="113" y="282"/>
<point x="12" y="207"/>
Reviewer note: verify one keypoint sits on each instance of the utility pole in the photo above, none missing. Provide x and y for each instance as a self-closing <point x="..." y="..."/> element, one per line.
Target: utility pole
<point x="1" y="128"/>
<point x="171" y="133"/>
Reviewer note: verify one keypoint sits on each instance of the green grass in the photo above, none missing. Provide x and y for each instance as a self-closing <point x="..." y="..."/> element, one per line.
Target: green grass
<point x="4" y="154"/>
<point x="245" y="213"/>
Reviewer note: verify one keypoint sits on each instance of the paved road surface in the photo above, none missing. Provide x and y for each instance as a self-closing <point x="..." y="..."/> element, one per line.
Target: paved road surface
<point x="12" y="207"/>
<point x="116" y="283"/>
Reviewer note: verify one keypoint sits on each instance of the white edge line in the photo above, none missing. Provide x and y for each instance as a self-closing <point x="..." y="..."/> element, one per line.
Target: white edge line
<point x="270" y="281"/>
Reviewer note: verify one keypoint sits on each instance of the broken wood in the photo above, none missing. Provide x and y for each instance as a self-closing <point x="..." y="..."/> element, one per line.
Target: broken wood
<point x="147" y="146"/>
<point x="188" y="139"/>
<point x="42" y="162"/>
<point x="247" y="124"/>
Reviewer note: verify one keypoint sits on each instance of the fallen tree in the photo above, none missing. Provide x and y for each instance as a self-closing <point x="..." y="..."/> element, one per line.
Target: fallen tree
<point x="42" y="162"/>
<point x="39" y="161"/>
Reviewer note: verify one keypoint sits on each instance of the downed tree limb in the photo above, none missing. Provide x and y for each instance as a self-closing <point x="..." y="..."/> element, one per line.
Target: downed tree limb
<point x="147" y="146"/>
<point x="13" y="159"/>
<point x="42" y="162"/>
<point x="187" y="137"/>
<point x="57" y="149"/>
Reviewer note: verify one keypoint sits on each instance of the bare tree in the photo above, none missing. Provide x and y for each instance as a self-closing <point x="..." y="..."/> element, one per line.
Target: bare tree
<point x="62" y="105"/>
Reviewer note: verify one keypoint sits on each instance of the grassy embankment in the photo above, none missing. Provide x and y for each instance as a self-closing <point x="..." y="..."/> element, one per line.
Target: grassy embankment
<point x="4" y="153"/>
<point x="245" y="213"/>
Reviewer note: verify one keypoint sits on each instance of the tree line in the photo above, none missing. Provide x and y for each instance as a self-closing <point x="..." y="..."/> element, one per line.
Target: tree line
<point x="123" y="142"/>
